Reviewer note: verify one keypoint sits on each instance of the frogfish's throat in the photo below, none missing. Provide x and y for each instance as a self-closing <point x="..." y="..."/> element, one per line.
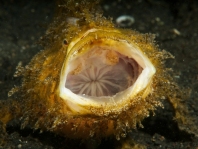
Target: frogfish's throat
<point x="103" y="69"/>
<point x="102" y="72"/>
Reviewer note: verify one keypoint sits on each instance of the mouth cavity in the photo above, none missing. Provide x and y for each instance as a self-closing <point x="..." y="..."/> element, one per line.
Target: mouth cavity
<point x="102" y="71"/>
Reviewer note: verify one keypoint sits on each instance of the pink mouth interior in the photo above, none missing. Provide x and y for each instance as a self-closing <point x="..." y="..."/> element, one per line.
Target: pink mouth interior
<point x="102" y="72"/>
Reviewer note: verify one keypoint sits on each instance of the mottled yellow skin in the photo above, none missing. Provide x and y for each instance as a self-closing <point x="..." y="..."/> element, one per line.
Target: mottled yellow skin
<point x="38" y="101"/>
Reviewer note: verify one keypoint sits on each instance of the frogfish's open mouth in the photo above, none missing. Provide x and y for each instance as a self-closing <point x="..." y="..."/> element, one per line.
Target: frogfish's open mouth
<point x="102" y="70"/>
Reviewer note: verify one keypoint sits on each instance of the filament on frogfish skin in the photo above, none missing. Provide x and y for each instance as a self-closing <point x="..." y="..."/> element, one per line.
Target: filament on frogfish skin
<point x="102" y="73"/>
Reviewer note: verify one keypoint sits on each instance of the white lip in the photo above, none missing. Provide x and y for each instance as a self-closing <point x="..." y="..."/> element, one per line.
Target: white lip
<point x="81" y="105"/>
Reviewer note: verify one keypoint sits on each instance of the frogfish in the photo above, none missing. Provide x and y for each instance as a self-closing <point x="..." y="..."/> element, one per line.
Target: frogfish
<point x="93" y="79"/>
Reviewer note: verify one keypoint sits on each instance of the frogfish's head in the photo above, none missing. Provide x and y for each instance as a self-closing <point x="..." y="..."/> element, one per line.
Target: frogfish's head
<point x="103" y="83"/>
<point x="104" y="70"/>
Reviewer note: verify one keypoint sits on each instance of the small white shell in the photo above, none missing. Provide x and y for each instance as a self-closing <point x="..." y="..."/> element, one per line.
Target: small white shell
<point x="125" y="21"/>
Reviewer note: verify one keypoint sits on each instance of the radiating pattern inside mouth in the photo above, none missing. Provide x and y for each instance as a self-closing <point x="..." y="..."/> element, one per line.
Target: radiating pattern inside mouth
<point x="102" y="72"/>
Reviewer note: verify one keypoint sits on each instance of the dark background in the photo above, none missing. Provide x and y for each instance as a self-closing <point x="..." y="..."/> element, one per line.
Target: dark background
<point x="175" y="24"/>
